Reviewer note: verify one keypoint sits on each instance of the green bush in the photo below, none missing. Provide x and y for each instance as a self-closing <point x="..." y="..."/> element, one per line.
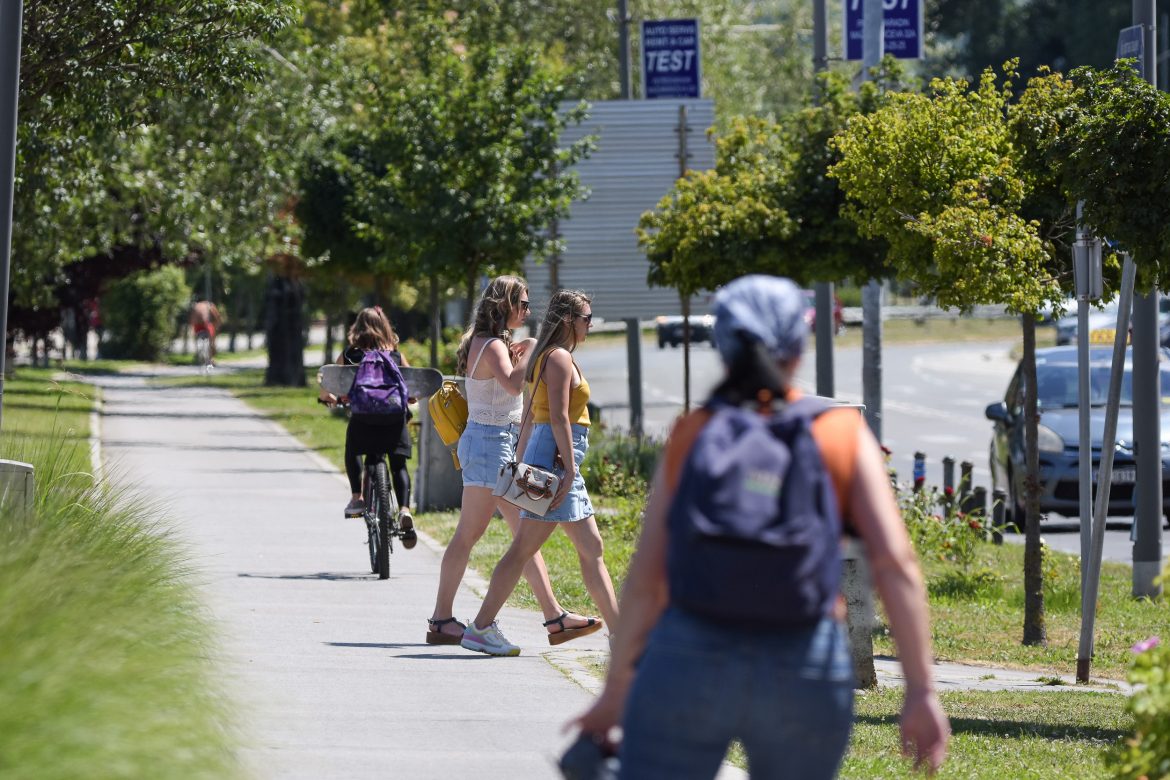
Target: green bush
<point x="103" y="644"/>
<point x="418" y="353"/>
<point x="619" y="465"/>
<point x="940" y="531"/>
<point x="139" y="313"/>
<point x="1146" y="754"/>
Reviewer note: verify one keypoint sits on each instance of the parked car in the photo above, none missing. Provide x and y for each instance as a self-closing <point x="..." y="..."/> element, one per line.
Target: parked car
<point x="1102" y="326"/>
<point x="670" y="329"/>
<point x="810" y="312"/>
<point x="1059" y="439"/>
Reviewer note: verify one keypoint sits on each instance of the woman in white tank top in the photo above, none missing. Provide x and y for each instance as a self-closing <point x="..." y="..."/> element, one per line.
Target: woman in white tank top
<point x="495" y="381"/>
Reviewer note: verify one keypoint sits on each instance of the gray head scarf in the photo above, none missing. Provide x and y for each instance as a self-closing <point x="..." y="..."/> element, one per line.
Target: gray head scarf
<point x="767" y="309"/>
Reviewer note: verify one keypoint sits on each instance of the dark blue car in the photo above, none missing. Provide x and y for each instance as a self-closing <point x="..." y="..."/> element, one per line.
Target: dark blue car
<point x="1059" y="440"/>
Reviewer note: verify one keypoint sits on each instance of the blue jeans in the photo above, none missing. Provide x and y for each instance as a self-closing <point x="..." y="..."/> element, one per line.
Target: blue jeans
<point x="786" y="695"/>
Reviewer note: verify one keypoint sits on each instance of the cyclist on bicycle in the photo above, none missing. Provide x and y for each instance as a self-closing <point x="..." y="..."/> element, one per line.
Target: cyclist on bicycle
<point x="205" y="319"/>
<point x="376" y="436"/>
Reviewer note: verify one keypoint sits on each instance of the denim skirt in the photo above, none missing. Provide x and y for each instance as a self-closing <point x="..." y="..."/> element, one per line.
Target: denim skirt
<point x="483" y="450"/>
<point x="540" y="451"/>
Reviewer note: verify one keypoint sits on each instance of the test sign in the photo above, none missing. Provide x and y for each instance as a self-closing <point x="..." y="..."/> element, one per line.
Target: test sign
<point x="670" y="58"/>
<point x="903" y="28"/>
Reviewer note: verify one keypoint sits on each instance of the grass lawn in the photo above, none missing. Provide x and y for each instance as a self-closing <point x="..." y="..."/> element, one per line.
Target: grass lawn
<point x="984" y="625"/>
<point x="39" y="409"/>
<point x="105" y="646"/>
<point x="893" y="332"/>
<point x="996" y="735"/>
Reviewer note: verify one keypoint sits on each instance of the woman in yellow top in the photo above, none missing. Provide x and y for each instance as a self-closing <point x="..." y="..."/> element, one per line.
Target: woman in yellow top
<point x="559" y="426"/>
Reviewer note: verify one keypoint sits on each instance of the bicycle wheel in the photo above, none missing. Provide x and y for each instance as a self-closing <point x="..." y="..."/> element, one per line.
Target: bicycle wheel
<point x="370" y="515"/>
<point x="386" y="513"/>
<point x="202" y="349"/>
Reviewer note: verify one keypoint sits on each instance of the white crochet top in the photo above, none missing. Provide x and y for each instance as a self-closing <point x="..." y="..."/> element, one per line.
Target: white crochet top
<point x="488" y="403"/>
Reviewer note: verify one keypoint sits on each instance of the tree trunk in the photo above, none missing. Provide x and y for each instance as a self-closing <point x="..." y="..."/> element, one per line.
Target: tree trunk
<point x="435" y="331"/>
<point x="1034" y="630"/>
<point x="472" y="278"/>
<point x="284" y="332"/>
<point x="328" y="337"/>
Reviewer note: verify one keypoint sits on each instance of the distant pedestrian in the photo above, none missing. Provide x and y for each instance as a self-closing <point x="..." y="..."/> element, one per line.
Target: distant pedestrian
<point x="559" y="438"/>
<point x="495" y="380"/>
<point x="204" y="318"/>
<point x="732" y="618"/>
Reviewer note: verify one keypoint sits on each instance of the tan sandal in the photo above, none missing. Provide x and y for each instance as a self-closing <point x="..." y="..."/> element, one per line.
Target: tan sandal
<point x="436" y="635"/>
<point x="566" y="634"/>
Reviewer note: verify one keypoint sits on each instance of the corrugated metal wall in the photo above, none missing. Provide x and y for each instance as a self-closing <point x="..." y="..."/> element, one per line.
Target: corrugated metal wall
<point x="634" y="165"/>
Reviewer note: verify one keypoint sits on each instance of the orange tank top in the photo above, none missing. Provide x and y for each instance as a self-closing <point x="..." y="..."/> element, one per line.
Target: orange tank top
<point x="835" y="432"/>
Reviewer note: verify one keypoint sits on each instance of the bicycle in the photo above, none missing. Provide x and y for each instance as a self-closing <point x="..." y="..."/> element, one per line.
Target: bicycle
<point x="380" y="511"/>
<point x="203" y="350"/>
<point x="381" y="504"/>
<point x="380" y="514"/>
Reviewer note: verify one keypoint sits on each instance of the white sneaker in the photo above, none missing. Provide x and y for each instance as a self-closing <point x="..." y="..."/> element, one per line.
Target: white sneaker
<point x="488" y="640"/>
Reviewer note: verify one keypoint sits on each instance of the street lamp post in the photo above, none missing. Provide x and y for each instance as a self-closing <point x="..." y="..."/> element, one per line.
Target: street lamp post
<point x="11" y="16"/>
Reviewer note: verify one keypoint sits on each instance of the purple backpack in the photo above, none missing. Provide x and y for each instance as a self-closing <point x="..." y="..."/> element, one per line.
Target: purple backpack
<point x="378" y="388"/>
<point x="755" y="532"/>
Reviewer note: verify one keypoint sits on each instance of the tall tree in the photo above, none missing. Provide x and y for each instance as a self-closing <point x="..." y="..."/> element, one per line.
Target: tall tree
<point x="971" y="218"/>
<point x="457" y="166"/>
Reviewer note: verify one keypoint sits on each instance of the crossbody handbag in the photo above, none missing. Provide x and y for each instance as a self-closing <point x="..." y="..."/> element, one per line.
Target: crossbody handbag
<point x="529" y="487"/>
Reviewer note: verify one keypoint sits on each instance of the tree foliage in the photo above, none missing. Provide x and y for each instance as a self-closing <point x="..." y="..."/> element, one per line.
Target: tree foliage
<point x="455" y="156"/>
<point x="94" y="78"/>
<point x="939" y="177"/>
<point x="1115" y="156"/>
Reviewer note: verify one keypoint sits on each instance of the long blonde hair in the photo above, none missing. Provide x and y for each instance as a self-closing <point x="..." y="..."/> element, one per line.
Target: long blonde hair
<point x="371" y="330"/>
<point x="492" y="311"/>
<point x="556" y="329"/>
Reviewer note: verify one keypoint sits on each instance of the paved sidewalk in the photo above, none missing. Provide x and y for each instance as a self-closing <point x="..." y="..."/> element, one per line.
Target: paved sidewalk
<point x="327" y="663"/>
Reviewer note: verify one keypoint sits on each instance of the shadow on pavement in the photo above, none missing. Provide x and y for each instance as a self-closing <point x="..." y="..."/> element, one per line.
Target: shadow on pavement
<point x="321" y="575"/>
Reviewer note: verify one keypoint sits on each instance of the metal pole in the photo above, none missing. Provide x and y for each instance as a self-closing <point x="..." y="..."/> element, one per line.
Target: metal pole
<point x="824" y="290"/>
<point x="820" y="35"/>
<point x="624" y="49"/>
<point x="1147" y="437"/>
<point x="1104" y="476"/>
<point x="11" y="19"/>
<point x="1085" y="466"/>
<point x="634" y="367"/>
<point x="873" y="41"/>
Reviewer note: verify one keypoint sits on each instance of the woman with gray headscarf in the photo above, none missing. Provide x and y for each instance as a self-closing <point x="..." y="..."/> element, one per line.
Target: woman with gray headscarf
<point x="684" y="683"/>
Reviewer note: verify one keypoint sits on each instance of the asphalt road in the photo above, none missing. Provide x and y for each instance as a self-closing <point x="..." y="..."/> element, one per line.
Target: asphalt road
<point x="934" y="396"/>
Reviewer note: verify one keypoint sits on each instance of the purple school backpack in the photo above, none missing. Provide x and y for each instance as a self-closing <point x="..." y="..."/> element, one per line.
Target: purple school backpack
<point x="754" y="528"/>
<point x="378" y="388"/>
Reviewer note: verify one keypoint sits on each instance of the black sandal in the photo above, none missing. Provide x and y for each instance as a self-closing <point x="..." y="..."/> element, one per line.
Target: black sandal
<point x="436" y="636"/>
<point x="565" y="634"/>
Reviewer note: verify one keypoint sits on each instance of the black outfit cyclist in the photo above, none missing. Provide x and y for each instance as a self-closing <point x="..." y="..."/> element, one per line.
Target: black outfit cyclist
<point x="373" y="439"/>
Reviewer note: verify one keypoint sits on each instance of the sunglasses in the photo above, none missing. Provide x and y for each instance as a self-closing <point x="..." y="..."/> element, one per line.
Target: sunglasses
<point x="587" y="317"/>
<point x="525" y="306"/>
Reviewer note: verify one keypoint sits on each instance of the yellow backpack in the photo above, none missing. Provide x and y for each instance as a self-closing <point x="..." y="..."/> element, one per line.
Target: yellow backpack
<point x="448" y="410"/>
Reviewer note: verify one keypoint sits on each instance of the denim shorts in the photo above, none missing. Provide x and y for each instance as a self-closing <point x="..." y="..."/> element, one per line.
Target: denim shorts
<point x="787" y="695"/>
<point x="539" y="452"/>
<point x="483" y="450"/>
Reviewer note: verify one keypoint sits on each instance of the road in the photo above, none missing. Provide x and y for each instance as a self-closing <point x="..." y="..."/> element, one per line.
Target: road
<point x="934" y="396"/>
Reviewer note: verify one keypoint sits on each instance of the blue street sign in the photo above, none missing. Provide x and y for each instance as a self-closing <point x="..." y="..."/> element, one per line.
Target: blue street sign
<point x="1131" y="44"/>
<point x="903" y="22"/>
<point x="670" y="58"/>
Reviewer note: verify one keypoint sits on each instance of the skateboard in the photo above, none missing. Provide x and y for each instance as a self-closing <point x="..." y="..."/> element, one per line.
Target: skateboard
<point x="420" y="382"/>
